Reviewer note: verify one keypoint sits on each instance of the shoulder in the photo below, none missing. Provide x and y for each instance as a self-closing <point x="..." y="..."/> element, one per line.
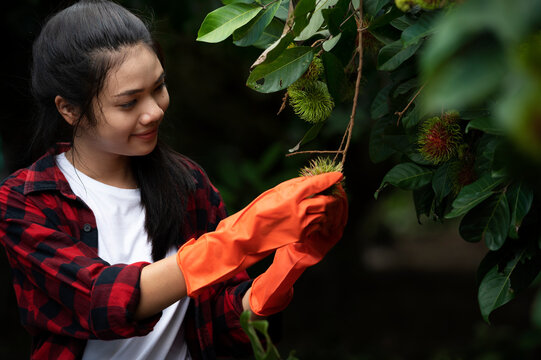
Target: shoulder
<point x="14" y="182"/>
<point x="13" y="200"/>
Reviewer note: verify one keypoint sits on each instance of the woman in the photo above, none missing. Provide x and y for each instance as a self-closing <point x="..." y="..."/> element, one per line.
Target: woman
<point x="108" y="234"/>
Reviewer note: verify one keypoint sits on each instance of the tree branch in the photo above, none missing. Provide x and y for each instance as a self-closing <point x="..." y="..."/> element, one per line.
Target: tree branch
<point x="401" y="113"/>
<point x="349" y="131"/>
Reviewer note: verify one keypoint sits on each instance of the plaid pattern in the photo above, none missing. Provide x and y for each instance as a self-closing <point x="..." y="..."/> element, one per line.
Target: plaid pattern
<point x="67" y="294"/>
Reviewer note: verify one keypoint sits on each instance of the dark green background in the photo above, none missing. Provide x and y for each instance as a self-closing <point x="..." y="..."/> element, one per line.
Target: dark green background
<point x="391" y="289"/>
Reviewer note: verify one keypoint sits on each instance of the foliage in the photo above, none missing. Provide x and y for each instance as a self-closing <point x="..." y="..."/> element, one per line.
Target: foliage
<point x="256" y="328"/>
<point x="457" y="108"/>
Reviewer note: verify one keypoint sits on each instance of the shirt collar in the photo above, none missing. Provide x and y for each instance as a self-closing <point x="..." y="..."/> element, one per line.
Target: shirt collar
<point x="44" y="174"/>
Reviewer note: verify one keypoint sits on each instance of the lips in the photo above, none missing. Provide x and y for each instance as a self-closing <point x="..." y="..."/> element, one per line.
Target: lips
<point x="147" y="135"/>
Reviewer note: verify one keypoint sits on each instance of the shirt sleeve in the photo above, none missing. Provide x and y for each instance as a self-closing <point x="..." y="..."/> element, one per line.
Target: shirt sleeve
<point x="61" y="284"/>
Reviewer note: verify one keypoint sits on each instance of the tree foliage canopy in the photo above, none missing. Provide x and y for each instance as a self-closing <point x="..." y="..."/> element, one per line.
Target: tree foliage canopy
<point x="458" y="108"/>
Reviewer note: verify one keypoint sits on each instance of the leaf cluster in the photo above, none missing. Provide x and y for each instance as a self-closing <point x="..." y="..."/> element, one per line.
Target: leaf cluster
<point x="478" y="58"/>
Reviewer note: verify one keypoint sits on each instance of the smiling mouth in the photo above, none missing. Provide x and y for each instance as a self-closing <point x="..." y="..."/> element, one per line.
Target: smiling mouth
<point x="148" y="134"/>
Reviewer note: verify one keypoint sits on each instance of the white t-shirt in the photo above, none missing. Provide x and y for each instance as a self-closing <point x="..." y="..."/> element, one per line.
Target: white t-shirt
<point x="122" y="239"/>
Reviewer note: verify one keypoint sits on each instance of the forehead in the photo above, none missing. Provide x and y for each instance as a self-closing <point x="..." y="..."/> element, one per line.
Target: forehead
<point x="138" y="69"/>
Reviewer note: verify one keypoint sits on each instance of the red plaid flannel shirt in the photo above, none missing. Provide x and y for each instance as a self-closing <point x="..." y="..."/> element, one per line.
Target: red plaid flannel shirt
<point x="66" y="294"/>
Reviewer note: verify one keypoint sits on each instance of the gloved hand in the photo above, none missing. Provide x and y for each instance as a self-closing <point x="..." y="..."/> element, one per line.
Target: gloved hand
<point x="279" y="216"/>
<point x="272" y="291"/>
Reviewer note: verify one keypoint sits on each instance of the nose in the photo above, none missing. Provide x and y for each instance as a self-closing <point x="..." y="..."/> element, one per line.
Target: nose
<point x="152" y="112"/>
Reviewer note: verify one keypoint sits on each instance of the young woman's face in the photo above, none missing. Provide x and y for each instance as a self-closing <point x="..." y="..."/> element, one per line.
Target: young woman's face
<point x="130" y="106"/>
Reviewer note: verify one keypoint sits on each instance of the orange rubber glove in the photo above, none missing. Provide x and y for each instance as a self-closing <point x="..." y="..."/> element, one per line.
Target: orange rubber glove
<point x="273" y="290"/>
<point x="279" y="216"/>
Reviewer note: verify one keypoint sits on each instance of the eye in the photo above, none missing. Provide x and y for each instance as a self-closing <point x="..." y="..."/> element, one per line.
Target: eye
<point x="161" y="86"/>
<point x="129" y="104"/>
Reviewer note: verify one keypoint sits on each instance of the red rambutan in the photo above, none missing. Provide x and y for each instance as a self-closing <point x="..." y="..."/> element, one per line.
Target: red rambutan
<point x="439" y="139"/>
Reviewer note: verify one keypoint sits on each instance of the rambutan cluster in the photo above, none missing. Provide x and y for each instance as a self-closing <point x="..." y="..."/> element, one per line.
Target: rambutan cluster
<point x="309" y="96"/>
<point x="440" y="138"/>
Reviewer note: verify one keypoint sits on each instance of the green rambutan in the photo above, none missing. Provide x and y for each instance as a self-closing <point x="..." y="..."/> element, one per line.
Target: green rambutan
<point x="322" y="165"/>
<point x="431" y="4"/>
<point x="315" y="69"/>
<point x="310" y="100"/>
<point x="405" y="5"/>
<point x="439" y="139"/>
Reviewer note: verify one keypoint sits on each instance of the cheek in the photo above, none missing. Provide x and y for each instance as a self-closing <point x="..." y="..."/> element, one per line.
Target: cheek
<point x="163" y="100"/>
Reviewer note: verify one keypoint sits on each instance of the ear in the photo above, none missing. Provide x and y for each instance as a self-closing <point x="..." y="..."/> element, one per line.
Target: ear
<point x="69" y="112"/>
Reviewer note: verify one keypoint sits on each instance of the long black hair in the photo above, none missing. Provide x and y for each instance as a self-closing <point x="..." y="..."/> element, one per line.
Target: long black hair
<point x="72" y="56"/>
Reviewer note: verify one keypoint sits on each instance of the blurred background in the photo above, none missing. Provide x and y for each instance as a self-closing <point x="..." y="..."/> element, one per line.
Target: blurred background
<point x="391" y="289"/>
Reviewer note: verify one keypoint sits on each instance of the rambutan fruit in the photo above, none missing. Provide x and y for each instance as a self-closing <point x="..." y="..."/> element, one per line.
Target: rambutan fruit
<point x="431" y="4"/>
<point x="405" y="5"/>
<point x="439" y="139"/>
<point x="315" y="69"/>
<point x="310" y="100"/>
<point x="322" y="165"/>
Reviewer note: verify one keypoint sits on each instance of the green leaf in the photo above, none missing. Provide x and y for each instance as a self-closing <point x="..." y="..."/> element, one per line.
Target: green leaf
<point x="378" y="146"/>
<point x="423" y="27"/>
<point x="488" y="222"/>
<point x="402" y="23"/>
<point x="329" y="44"/>
<point x="406" y="86"/>
<point x="270" y="34"/>
<point x="393" y="55"/>
<point x="283" y="10"/>
<point x="334" y="76"/>
<point x="316" y="20"/>
<point x="495" y="289"/>
<point x="278" y="47"/>
<point x="442" y="182"/>
<point x="373" y="7"/>
<point x="335" y="17"/>
<point x="380" y="105"/>
<point x="392" y="13"/>
<point x="520" y="201"/>
<point x="485" y="124"/>
<point x="251" y="328"/>
<point x="222" y="22"/>
<point x="485" y="154"/>
<point x="309" y="136"/>
<point x="423" y="199"/>
<point x="251" y="32"/>
<point x="472" y="195"/>
<point x="408" y="176"/>
<point x="282" y="72"/>
<point x="412" y="117"/>
<point x="303" y="11"/>
<point x="227" y="2"/>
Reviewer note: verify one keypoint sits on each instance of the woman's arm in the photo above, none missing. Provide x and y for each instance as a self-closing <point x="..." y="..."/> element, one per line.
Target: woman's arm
<point x="162" y="284"/>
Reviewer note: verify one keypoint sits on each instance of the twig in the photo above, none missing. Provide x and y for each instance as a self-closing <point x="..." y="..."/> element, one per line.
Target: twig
<point x="315" y="152"/>
<point x="287" y="27"/>
<point x="267" y="5"/>
<point x="349" y="130"/>
<point x="401" y="113"/>
<point x="284" y="102"/>
<point x="346" y="20"/>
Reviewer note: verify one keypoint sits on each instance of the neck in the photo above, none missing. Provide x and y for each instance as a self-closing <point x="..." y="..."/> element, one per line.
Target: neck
<point x="114" y="170"/>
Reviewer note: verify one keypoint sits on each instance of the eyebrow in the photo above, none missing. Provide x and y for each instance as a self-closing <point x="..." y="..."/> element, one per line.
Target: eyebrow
<point x="136" y="91"/>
